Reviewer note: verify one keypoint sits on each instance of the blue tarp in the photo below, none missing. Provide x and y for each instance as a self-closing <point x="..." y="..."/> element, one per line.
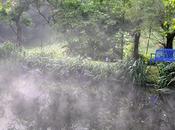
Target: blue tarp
<point x="163" y="55"/>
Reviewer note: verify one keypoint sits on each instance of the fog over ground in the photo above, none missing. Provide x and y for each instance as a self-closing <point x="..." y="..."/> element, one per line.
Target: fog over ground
<point x="31" y="100"/>
<point x="35" y="100"/>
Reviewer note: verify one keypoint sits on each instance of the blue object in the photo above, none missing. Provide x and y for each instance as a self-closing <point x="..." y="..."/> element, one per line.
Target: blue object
<point x="163" y="55"/>
<point x="154" y="99"/>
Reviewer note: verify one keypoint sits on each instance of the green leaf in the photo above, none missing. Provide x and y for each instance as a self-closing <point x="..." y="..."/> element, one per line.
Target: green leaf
<point x="1" y="6"/>
<point x="8" y="6"/>
<point x="165" y="91"/>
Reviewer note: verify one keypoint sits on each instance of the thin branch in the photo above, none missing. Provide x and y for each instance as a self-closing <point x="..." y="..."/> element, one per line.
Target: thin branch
<point x="149" y="36"/>
<point x="42" y="15"/>
<point x="12" y="28"/>
<point x="156" y="38"/>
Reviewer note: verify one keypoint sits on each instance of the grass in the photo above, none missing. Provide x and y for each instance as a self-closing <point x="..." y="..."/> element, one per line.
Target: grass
<point x="69" y="66"/>
<point x="53" y="51"/>
<point x="53" y="58"/>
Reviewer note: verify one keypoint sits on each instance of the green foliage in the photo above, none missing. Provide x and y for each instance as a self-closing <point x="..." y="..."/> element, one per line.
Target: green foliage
<point x="145" y="58"/>
<point x="51" y="51"/>
<point x="91" y="26"/>
<point x="136" y="71"/>
<point x="26" y="20"/>
<point x="93" y="30"/>
<point x="18" y="11"/>
<point x="67" y="66"/>
<point x="7" y="50"/>
<point x="167" y="74"/>
<point x="153" y="74"/>
<point x="53" y="59"/>
<point x="167" y="16"/>
<point x="5" y="9"/>
<point x="98" y="25"/>
<point x="128" y="50"/>
<point x="96" y="47"/>
<point x="71" y="4"/>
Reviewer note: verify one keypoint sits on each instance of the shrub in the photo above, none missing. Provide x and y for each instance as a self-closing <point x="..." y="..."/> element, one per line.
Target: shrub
<point x="77" y="66"/>
<point x="7" y="50"/>
<point x="167" y="75"/>
<point x="153" y="75"/>
<point x="128" y="50"/>
<point x="51" y="51"/>
<point x="135" y="71"/>
<point x="145" y="58"/>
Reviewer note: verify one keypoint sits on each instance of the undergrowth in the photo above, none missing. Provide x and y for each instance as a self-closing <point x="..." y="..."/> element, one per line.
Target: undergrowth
<point x="167" y="75"/>
<point x="53" y="59"/>
<point x="51" y="51"/>
<point x="68" y="66"/>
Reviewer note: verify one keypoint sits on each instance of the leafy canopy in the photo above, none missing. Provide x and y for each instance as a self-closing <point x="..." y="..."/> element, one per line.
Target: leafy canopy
<point x="168" y="23"/>
<point x="5" y="9"/>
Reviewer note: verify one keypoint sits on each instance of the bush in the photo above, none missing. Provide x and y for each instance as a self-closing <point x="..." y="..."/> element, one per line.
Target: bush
<point x="153" y="74"/>
<point x="167" y="75"/>
<point x="7" y="50"/>
<point x="128" y="50"/>
<point x="135" y="71"/>
<point x="145" y="58"/>
<point x="72" y="67"/>
<point x="94" y="49"/>
<point x="53" y="51"/>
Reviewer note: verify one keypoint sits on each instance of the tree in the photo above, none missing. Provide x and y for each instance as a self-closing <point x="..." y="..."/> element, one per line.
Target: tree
<point x="94" y="21"/>
<point x="143" y="15"/>
<point x="13" y="14"/>
<point x="137" y="35"/>
<point x="93" y="24"/>
<point x="17" y="17"/>
<point x="4" y="10"/>
<point x="167" y="21"/>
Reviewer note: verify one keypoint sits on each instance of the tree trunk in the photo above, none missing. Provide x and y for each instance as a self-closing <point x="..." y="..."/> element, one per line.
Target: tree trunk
<point x="122" y="45"/>
<point x="136" y="44"/>
<point x="122" y="29"/>
<point x="147" y="47"/>
<point x="170" y="38"/>
<point x="18" y="33"/>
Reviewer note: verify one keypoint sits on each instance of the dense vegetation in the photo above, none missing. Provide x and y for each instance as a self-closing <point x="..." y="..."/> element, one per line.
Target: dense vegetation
<point x="97" y="29"/>
<point x="100" y="44"/>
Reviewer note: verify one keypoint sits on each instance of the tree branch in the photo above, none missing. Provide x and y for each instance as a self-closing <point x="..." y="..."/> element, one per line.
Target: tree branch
<point x="12" y="28"/>
<point x="42" y="15"/>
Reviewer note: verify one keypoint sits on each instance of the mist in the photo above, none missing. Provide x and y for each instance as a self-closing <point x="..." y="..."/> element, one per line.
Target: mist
<point x="65" y="72"/>
<point x="31" y="100"/>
